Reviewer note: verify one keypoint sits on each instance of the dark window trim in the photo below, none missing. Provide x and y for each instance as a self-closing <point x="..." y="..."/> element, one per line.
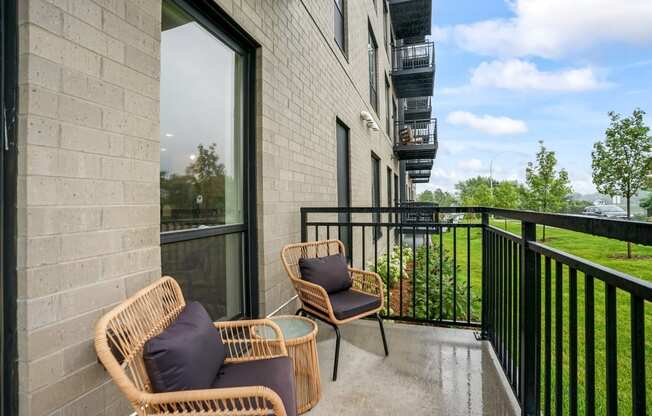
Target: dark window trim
<point x="8" y="167"/>
<point x="388" y="102"/>
<point x="220" y="24"/>
<point x="376" y="181"/>
<point x="343" y="12"/>
<point x="372" y="37"/>
<point x="346" y="217"/>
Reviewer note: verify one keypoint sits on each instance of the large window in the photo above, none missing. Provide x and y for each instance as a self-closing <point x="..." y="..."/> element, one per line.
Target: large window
<point x="203" y="198"/>
<point x="343" y="181"/>
<point x="388" y="99"/>
<point x="375" y="192"/>
<point x="340" y="29"/>
<point x="372" y="47"/>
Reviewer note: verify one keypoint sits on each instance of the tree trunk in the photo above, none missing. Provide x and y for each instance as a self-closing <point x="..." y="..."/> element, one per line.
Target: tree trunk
<point x="544" y="234"/>
<point x="629" y="245"/>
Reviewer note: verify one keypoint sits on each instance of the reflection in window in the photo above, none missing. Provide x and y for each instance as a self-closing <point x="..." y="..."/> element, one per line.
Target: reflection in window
<point x="372" y="47"/>
<point x="201" y="132"/>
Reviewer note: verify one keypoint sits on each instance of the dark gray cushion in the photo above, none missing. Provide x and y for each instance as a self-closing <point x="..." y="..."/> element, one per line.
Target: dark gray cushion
<point x="275" y="373"/>
<point x="350" y="303"/>
<point x="187" y="355"/>
<point x="330" y="272"/>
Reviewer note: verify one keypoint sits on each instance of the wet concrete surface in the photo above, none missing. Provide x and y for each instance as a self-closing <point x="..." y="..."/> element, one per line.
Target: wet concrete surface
<point x="429" y="371"/>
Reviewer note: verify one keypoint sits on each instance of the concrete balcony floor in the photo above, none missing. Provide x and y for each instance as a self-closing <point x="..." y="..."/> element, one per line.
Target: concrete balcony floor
<point x="429" y="371"/>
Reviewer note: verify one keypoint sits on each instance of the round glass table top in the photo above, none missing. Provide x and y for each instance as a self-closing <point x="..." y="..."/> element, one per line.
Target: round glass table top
<point x="292" y="327"/>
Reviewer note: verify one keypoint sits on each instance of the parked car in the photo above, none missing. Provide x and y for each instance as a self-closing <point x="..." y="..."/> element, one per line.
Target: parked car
<point x="606" y="211"/>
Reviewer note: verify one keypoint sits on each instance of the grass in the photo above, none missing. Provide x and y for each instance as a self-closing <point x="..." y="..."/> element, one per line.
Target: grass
<point x="606" y="252"/>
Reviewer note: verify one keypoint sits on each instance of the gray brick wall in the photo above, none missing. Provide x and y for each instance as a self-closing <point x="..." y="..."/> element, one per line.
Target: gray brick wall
<point x="88" y="232"/>
<point x="88" y="192"/>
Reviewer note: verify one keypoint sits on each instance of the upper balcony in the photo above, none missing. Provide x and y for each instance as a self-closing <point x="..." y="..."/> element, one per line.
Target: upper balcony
<point x="411" y="18"/>
<point x="415" y="139"/>
<point x="413" y="69"/>
<point x="419" y="164"/>
<point x="416" y="108"/>
<point x="420" y="174"/>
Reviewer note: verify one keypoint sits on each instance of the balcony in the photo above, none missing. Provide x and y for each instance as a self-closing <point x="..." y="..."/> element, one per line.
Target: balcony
<point x="419" y="164"/>
<point x="420" y="174"/>
<point x="430" y="371"/>
<point x="413" y="69"/>
<point x="411" y="18"/>
<point x="537" y="329"/>
<point x="415" y="139"/>
<point x="416" y="108"/>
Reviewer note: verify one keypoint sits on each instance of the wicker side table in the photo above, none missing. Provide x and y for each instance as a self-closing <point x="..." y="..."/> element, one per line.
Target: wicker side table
<point x="300" y="340"/>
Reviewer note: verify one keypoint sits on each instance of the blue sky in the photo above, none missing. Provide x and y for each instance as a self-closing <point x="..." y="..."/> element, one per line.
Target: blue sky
<point x="511" y="73"/>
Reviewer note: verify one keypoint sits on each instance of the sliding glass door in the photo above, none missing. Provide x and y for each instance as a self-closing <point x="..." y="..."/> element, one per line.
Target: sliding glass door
<point x="206" y="234"/>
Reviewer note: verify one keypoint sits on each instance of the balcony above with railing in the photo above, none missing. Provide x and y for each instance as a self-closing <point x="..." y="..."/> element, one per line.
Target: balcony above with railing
<point x="415" y="139"/>
<point x="419" y="164"/>
<point x="416" y="108"/>
<point x="420" y="174"/>
<point x="411" y="18"/>
<point x="420" y="180"/>
<point x="413" y="69"/>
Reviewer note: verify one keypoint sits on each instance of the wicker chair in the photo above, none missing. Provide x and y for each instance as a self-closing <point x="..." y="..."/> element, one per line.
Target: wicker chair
<point x="120" y="336"/>
<point x="316" y="302"/>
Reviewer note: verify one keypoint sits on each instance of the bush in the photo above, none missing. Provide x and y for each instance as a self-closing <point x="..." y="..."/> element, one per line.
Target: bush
<point x="395" y="271"/>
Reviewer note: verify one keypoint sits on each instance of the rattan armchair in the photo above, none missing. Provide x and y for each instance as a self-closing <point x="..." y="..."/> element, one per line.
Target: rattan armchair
<point x="317" y="303"/>
<point x="120" y="336"/>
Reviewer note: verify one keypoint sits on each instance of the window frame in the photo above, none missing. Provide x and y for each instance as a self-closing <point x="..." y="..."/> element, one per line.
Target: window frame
<point x="342" y="13"/>
<point x="218" y="23"/>
<point x="372" y="54"/>
<point x="376" y="199"/>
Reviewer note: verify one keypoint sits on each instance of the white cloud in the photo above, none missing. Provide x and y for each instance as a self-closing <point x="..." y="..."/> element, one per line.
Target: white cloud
<point x="470" y="164"/>
<point x="516" y="74"/>
<point x="553" y="28"/>
<point x="486" y="123"/>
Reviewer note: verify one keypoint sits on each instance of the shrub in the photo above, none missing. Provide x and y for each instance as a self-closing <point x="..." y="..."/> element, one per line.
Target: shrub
<point x="395" y="270"/>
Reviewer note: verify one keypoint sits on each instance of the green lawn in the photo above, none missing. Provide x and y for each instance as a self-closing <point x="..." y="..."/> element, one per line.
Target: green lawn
<point x="609" y="253"/>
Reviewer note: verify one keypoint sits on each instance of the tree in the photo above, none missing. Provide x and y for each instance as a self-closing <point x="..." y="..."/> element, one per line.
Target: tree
<point x="548" y="189"/>
<point x="443" y="198"/>
<point x="426" y="196"/>
<point x="646" y="203"/>
<point x="621" y="164"/>
<point x="476" y="191"/>
<point x="507" y="195"/>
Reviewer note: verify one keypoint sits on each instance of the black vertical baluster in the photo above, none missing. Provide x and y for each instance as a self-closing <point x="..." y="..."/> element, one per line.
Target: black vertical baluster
<point x="468" y="274"/>
<point x="515" y="278"/>
<point x="328" y="232"/>
<point x="548" y="334"/>
<point x="559" y="339"/>
<point x="485" y="276"/>
<point x="316" y="232"/>
<point x="400" y="268"/>
<point x="427" y="272"/>
<point x="589" y="347"/>
<point x="530" y="323"/>
<point x="537" y="268"/>
<point x="364" y="244"/>
<point x="414" y="272"/>
<point x="572" y="335"/>
<point x="389" y="260"/>
<point x="499" y="301"/>
<point x="441" y="271"/>
<point x="375" y="238"/>
<point x="638" y="355"/>
<point x="508" y="310"/>
<point x="454" y="274"/>
<point x="611" y="350"/>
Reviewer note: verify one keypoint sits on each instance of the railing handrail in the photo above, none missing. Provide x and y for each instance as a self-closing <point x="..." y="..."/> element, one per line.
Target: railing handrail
<point x="637" y="232"/>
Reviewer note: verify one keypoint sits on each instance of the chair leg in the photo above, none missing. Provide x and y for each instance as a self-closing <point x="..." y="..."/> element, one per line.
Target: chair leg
<point x="382" y="332"/>
<point x="337" y="352"/>
<point x="299" y="312"/>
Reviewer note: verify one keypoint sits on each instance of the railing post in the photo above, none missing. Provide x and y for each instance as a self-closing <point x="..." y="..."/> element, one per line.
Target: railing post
<point x="485" y="275"/>
<point x="529" y="323"/>
<point x="304" y="227"/>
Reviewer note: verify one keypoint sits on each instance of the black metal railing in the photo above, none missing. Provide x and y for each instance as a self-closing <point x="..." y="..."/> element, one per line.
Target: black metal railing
<point x="420" y="174"/>
<point x="416" y="104"/>
<point x="419" y="164"/>
<point x="411" y="132"/>
<point x="561" y="348"/>
<point x="413" y="56"/>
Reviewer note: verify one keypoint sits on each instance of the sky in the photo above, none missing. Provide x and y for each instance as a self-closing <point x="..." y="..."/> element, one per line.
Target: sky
<point x="512" y="72"/>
